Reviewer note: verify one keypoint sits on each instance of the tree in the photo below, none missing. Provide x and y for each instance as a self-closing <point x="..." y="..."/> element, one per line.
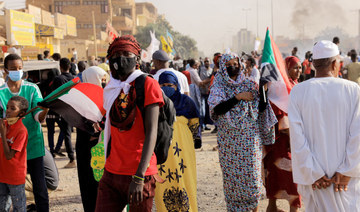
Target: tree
<point x="184" y="45"/>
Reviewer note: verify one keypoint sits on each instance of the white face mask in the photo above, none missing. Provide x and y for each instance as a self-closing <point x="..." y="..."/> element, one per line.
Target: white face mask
<point x="16" y="75"/>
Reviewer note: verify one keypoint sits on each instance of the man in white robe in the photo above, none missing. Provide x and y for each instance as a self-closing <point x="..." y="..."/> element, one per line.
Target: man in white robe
<point x="324" y="116"/>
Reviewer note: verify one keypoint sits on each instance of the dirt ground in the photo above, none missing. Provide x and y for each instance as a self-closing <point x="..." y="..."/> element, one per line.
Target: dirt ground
<point x="209" y="182"/>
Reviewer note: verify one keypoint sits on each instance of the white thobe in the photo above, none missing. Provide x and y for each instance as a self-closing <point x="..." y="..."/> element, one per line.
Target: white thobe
<point x="324" y="116"/>
<point x="183" y="82"/>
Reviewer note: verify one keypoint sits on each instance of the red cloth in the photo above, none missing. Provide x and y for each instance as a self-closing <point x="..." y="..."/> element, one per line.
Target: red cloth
<point x="307" y="66"/>
<point x="13" y="171"/>
<point x="291" y="61"/>
<point x="277" y="163"/>
<point x="187" y="74"/>
<point x="124" y="43"/>
<point x="216" y="60"/>
<point x="126" y="146"/>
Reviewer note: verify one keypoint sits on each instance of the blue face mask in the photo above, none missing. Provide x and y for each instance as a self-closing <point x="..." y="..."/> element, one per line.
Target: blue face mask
<point x="16" y="75"/>
<point x="169" y="91"/>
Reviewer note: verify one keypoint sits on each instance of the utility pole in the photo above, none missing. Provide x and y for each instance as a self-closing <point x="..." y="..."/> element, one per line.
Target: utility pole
<point x="257" y="18"/>
<point x="246" y="17"/>
<point x="272" y="19"/>
<point x="94" y="27"/>
<point x="110" y="11"/>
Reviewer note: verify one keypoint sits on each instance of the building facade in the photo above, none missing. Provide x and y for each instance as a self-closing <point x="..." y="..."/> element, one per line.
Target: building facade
<point x="123" y="14"/>
<point x="146" y="13"/>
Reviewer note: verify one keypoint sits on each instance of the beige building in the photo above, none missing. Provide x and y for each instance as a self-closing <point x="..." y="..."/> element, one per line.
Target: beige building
<point x="123" y="20"/>
<point x="146" y="13"/>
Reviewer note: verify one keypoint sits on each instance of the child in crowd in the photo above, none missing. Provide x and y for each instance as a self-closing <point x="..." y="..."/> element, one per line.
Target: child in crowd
<point x="13" y="155"/>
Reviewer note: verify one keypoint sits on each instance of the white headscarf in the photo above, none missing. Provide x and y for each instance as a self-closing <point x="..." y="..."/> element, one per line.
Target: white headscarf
<point x="93" y="75"/>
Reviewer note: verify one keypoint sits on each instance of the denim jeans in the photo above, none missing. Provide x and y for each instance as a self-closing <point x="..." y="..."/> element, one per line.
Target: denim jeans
<point x="205" y="111"/>
<point x="17" y="195"/>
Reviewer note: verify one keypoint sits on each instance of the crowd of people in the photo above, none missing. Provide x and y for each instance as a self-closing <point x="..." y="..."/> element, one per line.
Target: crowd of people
<point x="309" y="154"/>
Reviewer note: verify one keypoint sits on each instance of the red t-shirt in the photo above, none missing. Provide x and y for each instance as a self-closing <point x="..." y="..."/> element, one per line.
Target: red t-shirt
<point x="127" y="146"/>
<point x="13" y="171"/>
<point x="307" y="66"/>
<point x="187" y="74"/>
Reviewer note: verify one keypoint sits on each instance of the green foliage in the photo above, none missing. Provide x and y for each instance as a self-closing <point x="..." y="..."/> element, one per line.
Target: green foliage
<point x="184" y="45"/>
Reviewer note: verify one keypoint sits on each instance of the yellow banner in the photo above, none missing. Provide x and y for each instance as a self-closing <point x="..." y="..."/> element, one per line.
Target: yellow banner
<point x="165" y="46"/>
<point x="20" y="28"/>
<point x="178" y="192"/>
<point x="58" y="33"/>
<point x="71" y="25"/>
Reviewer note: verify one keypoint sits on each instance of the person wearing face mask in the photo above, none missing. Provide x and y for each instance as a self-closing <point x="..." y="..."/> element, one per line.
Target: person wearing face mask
<point x="84" y="142"/>
<point x="234" y="105"/>
<point x="277" y="158"/>
<point x="186" y="131"/>
<point x="15" y="86"/>
<point x="129" y="149"/>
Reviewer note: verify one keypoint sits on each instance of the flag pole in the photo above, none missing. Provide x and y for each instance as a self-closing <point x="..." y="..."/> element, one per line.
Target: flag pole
<point x="94" y="27"/>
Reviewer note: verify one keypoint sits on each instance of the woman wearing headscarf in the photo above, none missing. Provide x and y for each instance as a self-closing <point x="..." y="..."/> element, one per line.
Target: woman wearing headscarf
<point x="95" y="75"/>
<point x="178" y="192"/>
<point x="130" y="160"/>
<point x="84" y="142"/>
<point x="242" y="130"/>
<point x="279" y="182"/>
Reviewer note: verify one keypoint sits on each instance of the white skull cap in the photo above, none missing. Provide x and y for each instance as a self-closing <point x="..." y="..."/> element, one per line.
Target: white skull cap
<point x="325" y="49"/>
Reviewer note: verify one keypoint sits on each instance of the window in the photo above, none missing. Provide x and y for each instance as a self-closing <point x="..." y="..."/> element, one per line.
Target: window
<point x="104" y="8"/>
<point x="50" y="8"/>
<point x="78" y="26"/>
<point x="126" y="12"/>
<point x="58" y="9"/>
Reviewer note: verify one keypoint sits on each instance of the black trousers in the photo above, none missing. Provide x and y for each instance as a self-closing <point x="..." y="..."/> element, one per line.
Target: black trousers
<point x="88" y="184"/>
<point x="35" y="168"/>
<point x="65" y="129"/>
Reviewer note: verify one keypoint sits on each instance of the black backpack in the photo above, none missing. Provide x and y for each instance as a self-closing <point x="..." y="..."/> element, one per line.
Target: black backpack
<point x="166" y="120"/>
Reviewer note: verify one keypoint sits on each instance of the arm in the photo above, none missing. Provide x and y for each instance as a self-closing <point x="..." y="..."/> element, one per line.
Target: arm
<point x="9" y="153"/>
<point x="351" y="163"/>
<point x="151" y="120"/>
<point x="40" y="113"/>
<point x="225" y="106"/>
<point x="306" y="169"/>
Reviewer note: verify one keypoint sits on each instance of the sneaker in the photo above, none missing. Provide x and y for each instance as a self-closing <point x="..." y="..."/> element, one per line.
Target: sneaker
<point x="214" y="130"/>
<point x="206" y="128"/>
<point x="70" y="165"/>
<point x="31" y="208"/>
<point x="59" y="154"/>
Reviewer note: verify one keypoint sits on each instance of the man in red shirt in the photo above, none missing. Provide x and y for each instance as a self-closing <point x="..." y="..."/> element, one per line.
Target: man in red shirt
<point x="131" y="163"/>
<point x="13" y="155"/>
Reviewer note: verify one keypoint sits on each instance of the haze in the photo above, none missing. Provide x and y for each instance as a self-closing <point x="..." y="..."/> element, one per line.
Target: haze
<point x="213" y="23"/>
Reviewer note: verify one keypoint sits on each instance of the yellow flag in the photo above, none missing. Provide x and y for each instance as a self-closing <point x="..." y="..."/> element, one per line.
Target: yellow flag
<point x="178" y="192"/>
<point x="165" y="46"/>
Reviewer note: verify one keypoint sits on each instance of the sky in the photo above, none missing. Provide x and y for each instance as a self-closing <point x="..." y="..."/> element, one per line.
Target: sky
<point x="213" y="23"/>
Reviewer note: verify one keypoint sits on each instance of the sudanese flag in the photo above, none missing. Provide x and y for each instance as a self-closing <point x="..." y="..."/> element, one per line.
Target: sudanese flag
<point x="273" y="72"/>
<point x="80" y="104"/>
